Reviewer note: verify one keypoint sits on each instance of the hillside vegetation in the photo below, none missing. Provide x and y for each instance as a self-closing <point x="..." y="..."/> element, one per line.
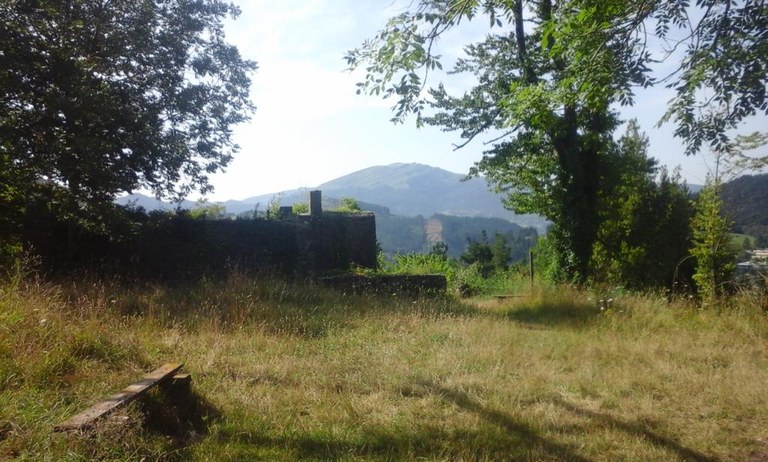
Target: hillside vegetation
<point x="746" y="203"/>
<point x="285" y="371"/>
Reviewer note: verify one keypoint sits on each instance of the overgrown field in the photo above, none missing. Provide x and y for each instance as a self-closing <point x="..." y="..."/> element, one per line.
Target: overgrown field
<point x="285" y="371"/>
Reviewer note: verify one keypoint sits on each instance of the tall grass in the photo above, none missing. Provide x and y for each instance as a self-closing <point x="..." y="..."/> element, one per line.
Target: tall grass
<point x="465" y="279"/>
<point x="291" y="371"/>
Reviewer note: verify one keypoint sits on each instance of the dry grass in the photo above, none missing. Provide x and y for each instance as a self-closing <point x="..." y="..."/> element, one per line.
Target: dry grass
<point x="290" y="372"/>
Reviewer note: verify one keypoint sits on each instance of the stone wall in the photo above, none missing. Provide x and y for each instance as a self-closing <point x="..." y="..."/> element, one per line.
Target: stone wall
<point x="179" y="247"/>
<point x="334" y="241"/>
<point x="388" y="284"/>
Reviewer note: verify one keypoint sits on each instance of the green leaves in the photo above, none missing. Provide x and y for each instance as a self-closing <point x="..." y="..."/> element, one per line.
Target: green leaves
<point x="545" y="85"/>
<point x="644" y="219"/>
<point x="104" y="98"/>
<point x="394" y="59"/>
<point x="711" y="243"/>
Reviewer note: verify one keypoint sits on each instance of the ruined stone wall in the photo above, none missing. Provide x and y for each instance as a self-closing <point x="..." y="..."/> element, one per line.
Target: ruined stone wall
<point x="179" y="246"/>
<point x="335" y="241"/>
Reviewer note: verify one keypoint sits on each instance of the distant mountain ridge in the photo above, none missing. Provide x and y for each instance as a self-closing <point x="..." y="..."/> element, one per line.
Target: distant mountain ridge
<point x="415" y="189"/>
<point x="405" y="189"/>
<point x="149" y="203"/>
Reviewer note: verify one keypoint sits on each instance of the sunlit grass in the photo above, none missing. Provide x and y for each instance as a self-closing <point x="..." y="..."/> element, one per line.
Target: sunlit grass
<point x="286" y="371"/>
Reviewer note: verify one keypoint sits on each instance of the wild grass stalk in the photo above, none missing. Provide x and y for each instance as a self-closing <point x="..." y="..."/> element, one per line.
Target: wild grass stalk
<point x="291" y="371"/>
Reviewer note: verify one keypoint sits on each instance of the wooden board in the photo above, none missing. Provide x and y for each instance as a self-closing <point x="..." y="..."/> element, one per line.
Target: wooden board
<point x="130" y="393"/>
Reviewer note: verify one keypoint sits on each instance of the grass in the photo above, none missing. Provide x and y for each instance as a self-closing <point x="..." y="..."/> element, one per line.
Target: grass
<point x="285" y="371"/>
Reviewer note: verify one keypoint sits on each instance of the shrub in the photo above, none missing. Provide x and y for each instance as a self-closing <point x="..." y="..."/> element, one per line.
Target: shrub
<point x="418" y="263"/>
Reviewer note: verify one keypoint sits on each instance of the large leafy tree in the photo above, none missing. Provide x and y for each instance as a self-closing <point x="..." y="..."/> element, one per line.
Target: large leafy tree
<point x="99" y="97"/>
<point x="551" y="159"/>
<point x="547" y="75"/>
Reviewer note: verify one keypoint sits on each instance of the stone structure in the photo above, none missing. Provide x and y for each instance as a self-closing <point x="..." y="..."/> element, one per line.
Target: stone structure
<point x="334" y="241"/>
<point x="388" y="284"/>
<point x="180" y="247"/>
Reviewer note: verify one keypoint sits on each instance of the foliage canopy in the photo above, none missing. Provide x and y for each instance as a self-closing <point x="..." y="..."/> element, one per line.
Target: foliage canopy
<point x="548" y="74"/>
<point x="104" y="97"/>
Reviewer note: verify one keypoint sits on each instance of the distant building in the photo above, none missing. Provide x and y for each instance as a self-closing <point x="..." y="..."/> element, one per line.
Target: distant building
<point x="757" y="263"/>
<point x="759" y="256"/>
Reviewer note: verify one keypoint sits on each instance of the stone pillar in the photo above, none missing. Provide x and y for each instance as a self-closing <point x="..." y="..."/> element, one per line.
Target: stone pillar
<point x="315" y="204"/>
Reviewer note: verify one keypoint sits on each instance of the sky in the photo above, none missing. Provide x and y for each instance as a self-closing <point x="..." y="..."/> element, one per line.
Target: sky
<point x="311" y="127"/>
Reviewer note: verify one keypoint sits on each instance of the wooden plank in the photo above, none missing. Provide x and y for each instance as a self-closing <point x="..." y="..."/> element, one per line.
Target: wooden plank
<point x="181" y="379"/>
<point x="130" y="393"/>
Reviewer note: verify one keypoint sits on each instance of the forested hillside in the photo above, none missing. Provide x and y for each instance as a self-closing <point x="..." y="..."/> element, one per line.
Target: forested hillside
<point x="399" y="234"/>
<point x="746" y="203"/>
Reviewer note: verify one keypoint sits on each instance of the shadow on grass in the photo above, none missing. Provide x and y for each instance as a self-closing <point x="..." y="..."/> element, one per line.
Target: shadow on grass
<point x="158" y="426"/>
<point x="183" y="416"/>
<point x="554" y="314"/>
<point x="429" y="442"/>
<point x="313" y="321"/>
<point x="521" y="431"/>
<point x="637" y="430"/>
<point x="290" y="308"/>
<point x="501" y="437"/>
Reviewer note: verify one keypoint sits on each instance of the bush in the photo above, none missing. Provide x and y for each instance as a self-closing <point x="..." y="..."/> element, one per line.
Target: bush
<point x="418" y="263"/>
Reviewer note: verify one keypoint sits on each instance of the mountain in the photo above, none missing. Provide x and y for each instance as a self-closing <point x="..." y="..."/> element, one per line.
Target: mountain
<point x="745" y="201"/>
<point x="408" y="190"/>
<point x="415" y="189"/>
<point x="412" y="190"/>
<point x="151" y="203"/>
<point x="397" y="234"/>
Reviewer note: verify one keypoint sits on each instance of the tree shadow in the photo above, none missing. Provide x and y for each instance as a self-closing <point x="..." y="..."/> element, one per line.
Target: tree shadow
<point x="567" y="314"/>
<point x="504" y="438"/>
<point x="523" y="432"/>
<point x="636" y="430"/>
<point x="429" y="442"/>
<point x="501" y="438"/>
<point x="157" y="421"/>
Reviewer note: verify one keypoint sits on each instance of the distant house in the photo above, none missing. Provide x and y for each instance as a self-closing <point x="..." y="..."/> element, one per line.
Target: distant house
<point x="758" y="262"/>
<point x="759" y="256"/>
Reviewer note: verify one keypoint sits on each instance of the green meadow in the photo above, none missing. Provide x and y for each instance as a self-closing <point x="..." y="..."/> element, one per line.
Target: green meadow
<point x="291" y="371"/>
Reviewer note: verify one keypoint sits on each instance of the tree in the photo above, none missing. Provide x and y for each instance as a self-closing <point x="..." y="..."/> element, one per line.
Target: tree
<point x="205" y="211"/>
<point x="711" y="244"/>
<point x="479" y="253"/>
<point x="550" y="160"/>
<point x="644" y="216"/>
<point x="547" y="79"/>
<point x="101" y="97"/>
<point x="300" y="208"/>
<point x="348" y="204"/>
<point x="489" y="257"/>
<point x="273" y="207"/>
<point x="439" y="250"/>
<point x="502" y="253"/>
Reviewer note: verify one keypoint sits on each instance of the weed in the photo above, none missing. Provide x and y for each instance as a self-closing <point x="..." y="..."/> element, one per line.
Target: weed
<point x="286" y="370"/>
